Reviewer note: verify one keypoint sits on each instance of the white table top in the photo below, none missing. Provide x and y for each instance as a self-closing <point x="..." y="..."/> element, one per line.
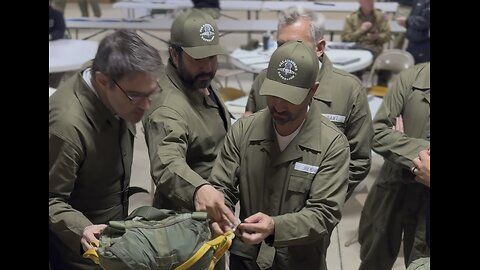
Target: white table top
<point x="224" y="25"/>
<point x="257" y="60"/>
<point x="70" y="54"/>
<point x="256" y="5"/>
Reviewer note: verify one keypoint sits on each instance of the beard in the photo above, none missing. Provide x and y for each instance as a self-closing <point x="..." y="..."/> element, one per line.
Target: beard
<point x="201" y="80"/>
<point x="281" y="118"/>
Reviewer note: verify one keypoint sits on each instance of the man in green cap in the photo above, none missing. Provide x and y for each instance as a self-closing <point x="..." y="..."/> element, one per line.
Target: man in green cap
<point x="341" y="96"/>
<point x="186" y="125"/>
<point x="288" y="167"/>
<point x="91" y="133"/>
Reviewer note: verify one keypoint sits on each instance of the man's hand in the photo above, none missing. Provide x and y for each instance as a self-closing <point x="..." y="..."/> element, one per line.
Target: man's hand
<point x="365" y="26"/>
<point x="373" y="35"/>
<point x="246" y="114"/>
<point x="402" y="21"/>
<point x="210" y="200"/>
<point x="91" y="234"/>
<point x="256" y="228"/>
<point x="421" y="167"/>
<point x="398" y="124"/>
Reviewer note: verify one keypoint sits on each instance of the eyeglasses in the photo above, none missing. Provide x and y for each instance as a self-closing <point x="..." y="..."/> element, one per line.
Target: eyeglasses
<point x="136" y="97"/>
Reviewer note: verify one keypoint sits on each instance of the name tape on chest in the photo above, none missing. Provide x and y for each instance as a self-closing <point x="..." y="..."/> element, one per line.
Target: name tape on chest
<point x="305" y="168"/>
<point x="335" y="117"/>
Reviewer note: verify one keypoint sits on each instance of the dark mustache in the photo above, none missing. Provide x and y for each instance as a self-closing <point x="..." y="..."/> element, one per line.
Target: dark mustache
<point x="273" y="111"/>
<point x="210" y="74"/>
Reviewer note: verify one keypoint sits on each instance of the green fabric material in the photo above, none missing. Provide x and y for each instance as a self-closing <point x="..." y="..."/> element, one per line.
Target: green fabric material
<point x="152" y="238"/>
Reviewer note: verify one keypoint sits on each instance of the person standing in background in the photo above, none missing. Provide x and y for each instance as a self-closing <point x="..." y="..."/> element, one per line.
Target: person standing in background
<point x="403" y="10"/>
<point x="56" y="31"/>
<point x="59" y="5"/>
<point x="56" y="24"/>
<point x="395" y="206"/>
<point x="91" y="134"/>
<point x="418" y="31"/>
<point x="212" y="7"/>
<point x="83" y="5"/>
<point x="341" y="96"/>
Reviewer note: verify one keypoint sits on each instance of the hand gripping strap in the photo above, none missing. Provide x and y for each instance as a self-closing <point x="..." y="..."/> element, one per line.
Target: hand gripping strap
<point x="220" y="244"/>
<point x="92" y="253"/>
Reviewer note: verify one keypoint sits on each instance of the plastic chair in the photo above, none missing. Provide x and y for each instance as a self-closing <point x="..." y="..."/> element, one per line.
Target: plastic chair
<point x="393" y="60"/>
<point x="230" y="93"/>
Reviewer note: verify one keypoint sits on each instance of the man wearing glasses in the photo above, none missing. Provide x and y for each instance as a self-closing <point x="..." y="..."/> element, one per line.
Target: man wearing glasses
<point x="186" y="125"/>
<point x="91" y="133"/>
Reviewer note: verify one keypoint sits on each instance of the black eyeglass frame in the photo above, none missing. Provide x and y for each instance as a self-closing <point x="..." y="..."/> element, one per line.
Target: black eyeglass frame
<point x="140" y="97"/>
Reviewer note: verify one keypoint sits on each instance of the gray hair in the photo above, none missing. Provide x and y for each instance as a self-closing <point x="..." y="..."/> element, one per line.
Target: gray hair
<point x="124" y="52"/>
<point x="292" y="14"/>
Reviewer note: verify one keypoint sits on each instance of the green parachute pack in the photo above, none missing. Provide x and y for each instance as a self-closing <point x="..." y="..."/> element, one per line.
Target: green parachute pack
<point x="152" y="238"/>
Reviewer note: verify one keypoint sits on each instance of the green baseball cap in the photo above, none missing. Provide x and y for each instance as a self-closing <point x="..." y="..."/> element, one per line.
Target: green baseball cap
<point x="291" y="72"/>
<point x="197" y="33"/>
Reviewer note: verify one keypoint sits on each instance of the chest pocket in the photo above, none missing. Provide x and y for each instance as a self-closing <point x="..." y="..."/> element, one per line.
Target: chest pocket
<point x="297" y="192"/>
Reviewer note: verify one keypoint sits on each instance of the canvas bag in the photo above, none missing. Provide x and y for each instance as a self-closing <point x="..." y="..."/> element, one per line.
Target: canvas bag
<point x="152" y="238"/>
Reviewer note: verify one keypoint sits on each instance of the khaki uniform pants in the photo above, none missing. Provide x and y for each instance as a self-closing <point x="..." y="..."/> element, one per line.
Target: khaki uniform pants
<point x="390" y="211"/>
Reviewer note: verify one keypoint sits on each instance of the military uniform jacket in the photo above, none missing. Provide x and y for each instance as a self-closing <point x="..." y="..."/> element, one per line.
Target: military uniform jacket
<point x="303" y="188"/>
<point x="184" y="132"/>
<point x="410" y="98"/>
<point x="352" y="33"/>
<point x="343" y="101"/>
<point x="90" y="159"/>
<point x="418" y="23"/>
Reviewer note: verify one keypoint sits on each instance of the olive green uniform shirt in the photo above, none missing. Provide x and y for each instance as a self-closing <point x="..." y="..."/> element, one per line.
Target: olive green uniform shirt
<point x="394" y="208"/>
<point x="90" y="159"/>
<point x="343" y="101"/>
<point x="302" y="188"/>
<point x="184" y="130"/>
<point x="410" y="98"/>
<point x="352" y="33"/>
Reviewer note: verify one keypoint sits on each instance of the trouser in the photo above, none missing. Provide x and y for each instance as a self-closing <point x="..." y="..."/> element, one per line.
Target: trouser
<point x="420" y="51"/>
<point x="60" y="257"/>
<point x="390" y="210"/>
<point x="60" y="5"/>
<point x="83" y="5"/>
<point x="399" y="39"/>
<point x="242" y="263"/>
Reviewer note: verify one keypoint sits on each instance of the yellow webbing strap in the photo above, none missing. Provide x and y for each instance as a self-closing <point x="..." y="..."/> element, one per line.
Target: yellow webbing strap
<point x="220" y="244"/>
<point x="92" y="253"/>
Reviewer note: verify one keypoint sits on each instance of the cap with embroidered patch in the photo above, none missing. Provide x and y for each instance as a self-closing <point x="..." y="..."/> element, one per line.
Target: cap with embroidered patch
<point x="291" y="72"/>
<point x="197" y="33"/>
